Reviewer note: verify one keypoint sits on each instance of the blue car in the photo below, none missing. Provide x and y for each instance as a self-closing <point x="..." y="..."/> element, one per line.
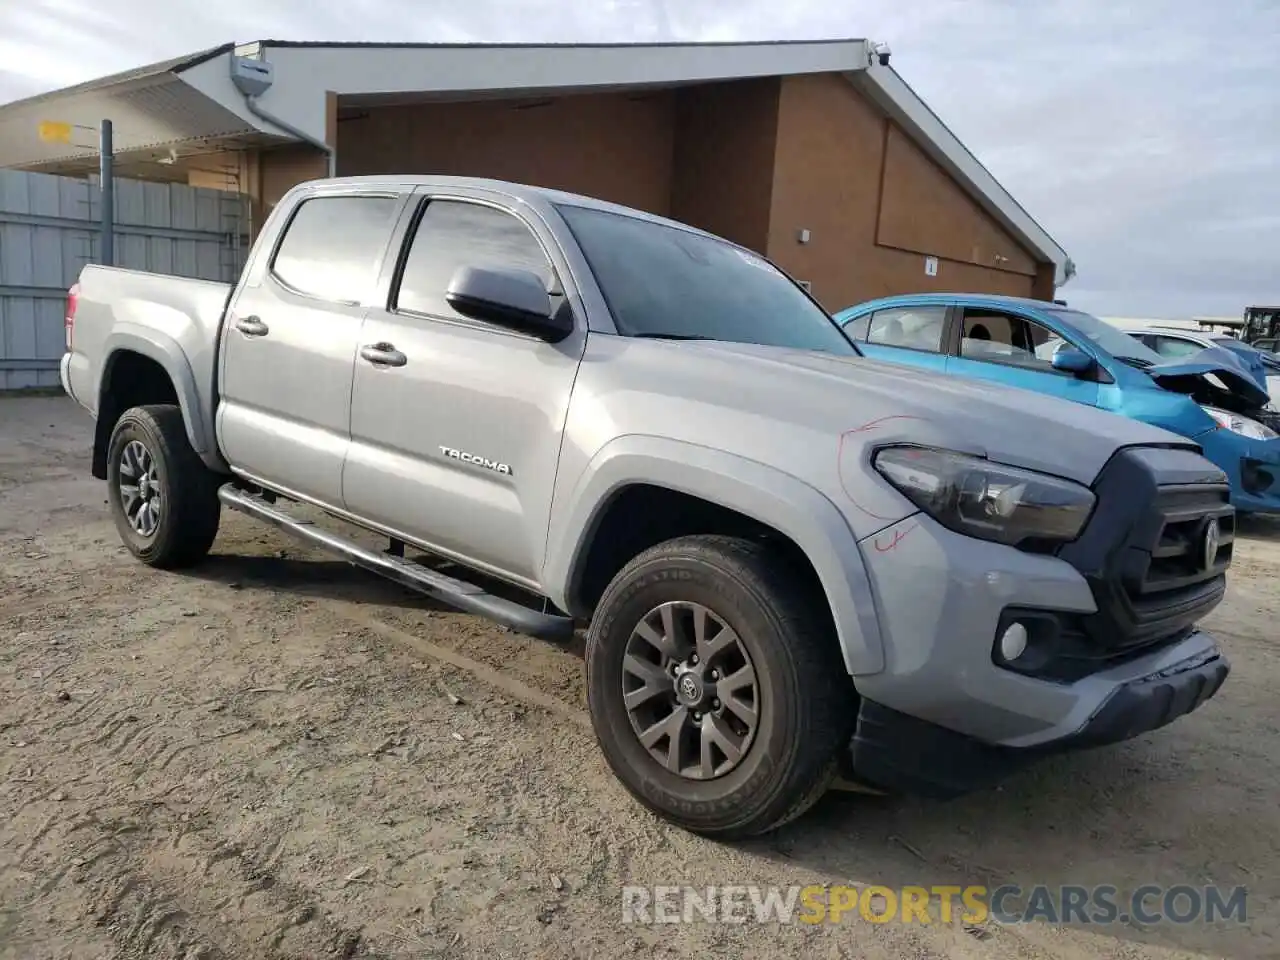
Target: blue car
<point x="1209" y="396"/>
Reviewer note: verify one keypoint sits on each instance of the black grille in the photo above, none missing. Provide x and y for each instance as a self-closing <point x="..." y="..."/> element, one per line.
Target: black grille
<point x="1143" y="552"/>
<point x="1178" y="559"/>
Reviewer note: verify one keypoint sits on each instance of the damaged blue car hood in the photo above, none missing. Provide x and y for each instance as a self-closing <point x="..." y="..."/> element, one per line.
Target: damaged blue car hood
<point x="1185" y="374"/>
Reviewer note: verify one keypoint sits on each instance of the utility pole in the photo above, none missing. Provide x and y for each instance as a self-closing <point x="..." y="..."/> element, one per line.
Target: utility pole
<point x="106" y="187"/>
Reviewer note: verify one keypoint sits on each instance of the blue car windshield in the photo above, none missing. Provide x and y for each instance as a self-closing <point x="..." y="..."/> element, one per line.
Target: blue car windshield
<point x="1109" y="339"/>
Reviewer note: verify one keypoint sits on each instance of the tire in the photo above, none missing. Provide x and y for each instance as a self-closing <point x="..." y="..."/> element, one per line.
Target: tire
<point x="805" y="703"/>
<point x="185" y="522"/>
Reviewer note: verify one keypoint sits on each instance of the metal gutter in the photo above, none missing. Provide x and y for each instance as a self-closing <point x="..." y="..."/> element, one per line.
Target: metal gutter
<point x="253" y="76"/>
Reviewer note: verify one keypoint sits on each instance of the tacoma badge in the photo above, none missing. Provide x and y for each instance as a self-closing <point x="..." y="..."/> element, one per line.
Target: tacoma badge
<point x="456" y="454"/>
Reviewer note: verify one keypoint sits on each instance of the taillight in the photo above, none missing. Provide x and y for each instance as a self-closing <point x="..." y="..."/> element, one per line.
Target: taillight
<point x="69" y="322"/>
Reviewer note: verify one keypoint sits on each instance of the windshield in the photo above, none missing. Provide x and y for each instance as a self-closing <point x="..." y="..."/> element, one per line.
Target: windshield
<point x="661" y="281"/>
<point x="1110" y="339"/>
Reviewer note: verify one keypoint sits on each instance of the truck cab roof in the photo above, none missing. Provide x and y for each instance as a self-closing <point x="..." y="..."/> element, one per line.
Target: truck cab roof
<point x="527" y="193"/>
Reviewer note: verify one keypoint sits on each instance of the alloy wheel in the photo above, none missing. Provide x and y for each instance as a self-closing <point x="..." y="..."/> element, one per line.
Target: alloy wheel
<point x="139" y="484"/>
<point x="690" y="690"/>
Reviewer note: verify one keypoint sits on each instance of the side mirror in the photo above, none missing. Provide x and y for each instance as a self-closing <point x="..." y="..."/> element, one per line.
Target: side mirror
<point x="1072" y="360"/>
<point x="515" y="299"/>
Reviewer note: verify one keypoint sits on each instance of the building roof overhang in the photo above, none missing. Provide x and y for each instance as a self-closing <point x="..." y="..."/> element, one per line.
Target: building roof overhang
<point x="192" y="105"/>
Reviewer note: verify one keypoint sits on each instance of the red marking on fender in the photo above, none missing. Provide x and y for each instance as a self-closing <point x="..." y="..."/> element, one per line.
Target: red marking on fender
<point x="872" y="424"/>
<point x="869" y="425"/>
<point x="898" y="537"/>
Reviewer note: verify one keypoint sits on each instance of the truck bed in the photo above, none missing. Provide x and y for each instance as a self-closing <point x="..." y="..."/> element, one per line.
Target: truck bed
<point x="171" y="320"/>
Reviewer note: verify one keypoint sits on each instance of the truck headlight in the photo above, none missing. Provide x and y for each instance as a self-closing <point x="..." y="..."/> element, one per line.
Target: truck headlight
<point x="987" y="500"/>
<point x="1241" y="425"/>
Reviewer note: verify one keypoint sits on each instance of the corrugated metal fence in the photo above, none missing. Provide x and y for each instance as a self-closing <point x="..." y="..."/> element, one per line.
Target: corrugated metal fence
<point x="49" y="230"/>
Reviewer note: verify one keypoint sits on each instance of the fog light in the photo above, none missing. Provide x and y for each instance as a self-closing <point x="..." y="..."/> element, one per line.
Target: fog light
<point x="1014" y="642"/>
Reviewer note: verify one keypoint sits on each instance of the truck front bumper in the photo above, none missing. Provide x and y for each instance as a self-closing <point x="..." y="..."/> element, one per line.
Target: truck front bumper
<point x="896" y="752"/>
<point x="1112" y="647"/>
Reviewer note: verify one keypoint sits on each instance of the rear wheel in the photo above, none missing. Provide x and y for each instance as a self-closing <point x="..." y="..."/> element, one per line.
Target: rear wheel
<point x="715" y="685"/>
<point x="164" y="500"/>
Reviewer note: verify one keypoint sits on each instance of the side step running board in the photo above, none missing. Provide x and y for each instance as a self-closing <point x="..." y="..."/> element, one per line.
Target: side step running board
<point x="456" y="593"/>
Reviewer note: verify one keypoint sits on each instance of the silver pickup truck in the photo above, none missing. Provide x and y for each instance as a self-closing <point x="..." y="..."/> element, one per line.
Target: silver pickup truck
<point x="793" y="563"/>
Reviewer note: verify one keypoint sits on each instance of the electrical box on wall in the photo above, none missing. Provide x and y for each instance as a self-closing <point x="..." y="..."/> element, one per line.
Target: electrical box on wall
<point x="251" y="77"/>
<point x="930" y="266"/>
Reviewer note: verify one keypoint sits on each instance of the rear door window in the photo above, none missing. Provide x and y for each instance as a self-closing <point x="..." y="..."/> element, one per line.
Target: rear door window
<point x="333" y="245"/>
<point x="915" y="328"/>
<point x="1175" y="347"/>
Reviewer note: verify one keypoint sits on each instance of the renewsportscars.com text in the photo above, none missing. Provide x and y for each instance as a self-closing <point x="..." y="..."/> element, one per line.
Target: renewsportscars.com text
<point x="1010" y="904"/>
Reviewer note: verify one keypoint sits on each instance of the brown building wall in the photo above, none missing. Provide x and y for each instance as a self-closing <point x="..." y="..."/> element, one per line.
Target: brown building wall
<point x="834" y="152"/>
<point x="1044" y="286"/>
<point x="231" y="170"/>
<point x="617" y="147"/>
<point x="725" y="137"/>
<point x="922" y="210"/>
<point x="286" y="167"/>
<point x="263" y="175"/>
<point x="756" y="161"/>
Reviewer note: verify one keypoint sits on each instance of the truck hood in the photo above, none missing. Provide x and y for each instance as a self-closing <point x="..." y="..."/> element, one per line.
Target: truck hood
<point x="1235" y="389"/>
<point x="870" y="403"/>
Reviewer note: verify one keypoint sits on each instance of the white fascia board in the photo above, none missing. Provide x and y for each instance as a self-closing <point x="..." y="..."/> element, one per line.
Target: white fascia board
<point x="213" y="79"/>
<point x="303" y="74"/>
<point x="890" y="92"/>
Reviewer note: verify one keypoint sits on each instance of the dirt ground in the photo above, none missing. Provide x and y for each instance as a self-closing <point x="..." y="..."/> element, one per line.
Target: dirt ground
<point x="279" y="756"/>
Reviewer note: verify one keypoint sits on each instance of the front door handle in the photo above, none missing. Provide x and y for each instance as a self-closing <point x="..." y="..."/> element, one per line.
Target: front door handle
<point x="383" y="355"/>
<point x="252" y="327"/>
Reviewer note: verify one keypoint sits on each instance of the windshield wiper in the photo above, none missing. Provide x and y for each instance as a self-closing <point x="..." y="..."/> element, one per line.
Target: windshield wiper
<point x="1136" y="362"/>
<point x="667" y="336"/>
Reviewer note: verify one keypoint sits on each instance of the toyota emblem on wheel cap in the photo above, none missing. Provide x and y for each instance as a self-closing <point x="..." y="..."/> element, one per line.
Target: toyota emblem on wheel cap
<point x="1212" y="537"/>
<point x="689" y="687"/>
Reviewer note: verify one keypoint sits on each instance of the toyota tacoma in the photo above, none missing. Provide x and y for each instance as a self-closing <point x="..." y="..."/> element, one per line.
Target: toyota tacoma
<point x="793" y="563"/>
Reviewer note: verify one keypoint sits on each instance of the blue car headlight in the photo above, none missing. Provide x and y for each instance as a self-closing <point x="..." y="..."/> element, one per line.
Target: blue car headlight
<point x="1241" y="425"/>
<point x="990" y="501"/>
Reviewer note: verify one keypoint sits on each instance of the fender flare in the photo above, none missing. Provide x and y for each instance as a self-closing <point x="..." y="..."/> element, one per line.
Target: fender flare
<point x="165" y="351"/>
<point x="764" y="493"/>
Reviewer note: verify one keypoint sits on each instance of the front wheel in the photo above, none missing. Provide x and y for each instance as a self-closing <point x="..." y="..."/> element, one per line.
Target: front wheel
<point x="164" y="500"/>
<point x="715" y="685"/>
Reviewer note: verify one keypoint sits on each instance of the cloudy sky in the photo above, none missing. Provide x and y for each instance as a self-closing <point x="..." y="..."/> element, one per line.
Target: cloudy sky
<point x="1144" y="135"/>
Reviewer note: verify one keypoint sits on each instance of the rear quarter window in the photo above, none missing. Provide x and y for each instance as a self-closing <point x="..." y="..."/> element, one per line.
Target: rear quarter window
<point x="857" y="328"/>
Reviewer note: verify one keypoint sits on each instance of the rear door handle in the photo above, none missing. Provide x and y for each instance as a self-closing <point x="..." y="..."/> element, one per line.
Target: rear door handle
<point x="252" y="327"/>
<point x="383" y="355"/>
